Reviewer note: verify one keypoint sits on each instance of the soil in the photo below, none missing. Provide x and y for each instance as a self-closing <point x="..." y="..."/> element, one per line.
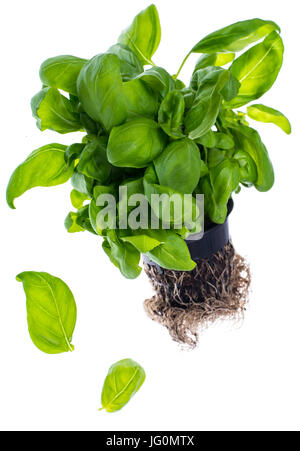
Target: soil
<point x="186" y="302"/>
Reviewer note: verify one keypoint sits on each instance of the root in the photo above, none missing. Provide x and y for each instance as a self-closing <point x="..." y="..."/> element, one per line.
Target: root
<point x="186" y="302"/>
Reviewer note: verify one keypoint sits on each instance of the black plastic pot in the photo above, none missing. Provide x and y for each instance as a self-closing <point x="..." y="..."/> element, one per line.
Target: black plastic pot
<point x="215" y="237"/>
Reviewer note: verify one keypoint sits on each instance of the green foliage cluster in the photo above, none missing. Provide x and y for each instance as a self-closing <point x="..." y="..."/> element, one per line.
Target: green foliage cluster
<point x="146" y="129"/>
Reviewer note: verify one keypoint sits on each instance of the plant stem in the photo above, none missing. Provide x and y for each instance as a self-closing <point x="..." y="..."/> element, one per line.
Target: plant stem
<point x="182" y="64"/>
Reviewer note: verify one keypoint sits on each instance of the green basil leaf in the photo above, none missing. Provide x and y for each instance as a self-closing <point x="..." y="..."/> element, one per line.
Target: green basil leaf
<point x="217" y="213"/>
<point x="142" y="242"/>
<point x="61" y="72"/>
<point x="187" y="215"/>
<point x="189" y="96"/>
<point x="51" y="312"/>
<point x="140" y="99"/>
<point x="83" y="219"/>
<point x="173" y="254"/>
<point x="124" y="379"/>
<point x="82" y="183"/>
<point x="130" y="65"/>
<point x="248" y="171"/>
<point x="125" y="255"/>
<point x="143" y="35"/>
<point x="78" y="199"/>
<point x="159" y="80"/>
<point x="266" y="114"/>
<point x="178" y="166"/>
<point x="90" y="126"/>
<point x="100" y="90"/>
<point x="214" y="59"/>
<point x="94" y="209"/>
<point x="170" y="115"/>
<point x="235" y="37"/>
<point x="249" y="140"/>
<point x="44" y="167"/>
<point x="93" y="161"/>
<point x="205" y="109"/>
<point x="136" y="143"/>
<point x="54" y="111"/>
<point x="231" y="88"/>
<point x="71" y="223"/>
<point x="257" y="69"/>
<point x="215" y="156"/>
<point x="225" y="180"/>
<point x="73" y="152"/>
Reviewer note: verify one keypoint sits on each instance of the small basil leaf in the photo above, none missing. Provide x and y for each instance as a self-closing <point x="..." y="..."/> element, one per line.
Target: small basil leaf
<point x="136" y="143"/>
<point x="51" y="312"/>
<point x="124" y="379"/>
<point x="142" y="242"/>
<point x="125" y="255"/>
<point x="54" y="111"/>
<point x="249" y="140"/>
<point x="100" y="90"/>
<point x="93" y="161"/>
<point x="248" y="171"/>
<point x="73" y="152"/>
<point x="178" y="166"/>
<point x="90" y="126"/>
<point x="187" y="215"/>
<point x="208" y="140"/>
<point x="225" y="180"/>
<point x="266" y="114"/>
<point x="159" y="80"/>
<point x="83" y="219"/>
<point x="173" y="254"/>
<point x="214" y="59"/>
<point x="71" y="223"/>
<point x="82" y="183"/>
<point x="78" y="199"/>
<point x="143" y="35"/>
<point x="44" y="167"/>
<point x="231" y="88"/>
<point x="61" y="72"/>
<point x="205" y="109"/>
<point x="140" y="99"/>
<point x="257" y="69"/>
<point x="130" y="65"/>
<point x="235" y="37"/>
<point x="170" y="115"/>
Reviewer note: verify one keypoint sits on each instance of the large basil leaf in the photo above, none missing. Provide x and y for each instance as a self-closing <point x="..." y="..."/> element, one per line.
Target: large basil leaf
<point x="130" y="65"/>
<point x="266" y="114"/>
<point x="235" y="37"/>
<point x="143" y="35"/>
<point x="173" y="254"/>
<point x="51" y="311"/>
<point x="44" y="167"/>
<point x="54" y="111"/>
<point x="214" y="59"/>
<point x="140" y="99"/>
<point x="100" y="90"/>
<point x="61" y="72"/>
<point x="159" y="80"/>
<point x="257" y="69"/>
<point x="178" y="166"/>
<point x="205" y="109"/>
<point x="249" y="140"/>
<point x="124" y="379"/>
<point x="170" y="115"/>
<point x="93" y="161"/>
<point x="125" y="256"/>
<point x="136" y="143"/>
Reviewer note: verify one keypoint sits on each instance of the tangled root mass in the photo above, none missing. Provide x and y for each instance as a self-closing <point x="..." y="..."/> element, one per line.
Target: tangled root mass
<point x="186" y="302"/>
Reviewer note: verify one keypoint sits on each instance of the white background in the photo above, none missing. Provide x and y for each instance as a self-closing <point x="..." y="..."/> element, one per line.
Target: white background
<point x="240" y="378"/>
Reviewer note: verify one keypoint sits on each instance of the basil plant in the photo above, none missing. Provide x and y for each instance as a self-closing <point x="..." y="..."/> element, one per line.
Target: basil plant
<point x="145" y="130"/>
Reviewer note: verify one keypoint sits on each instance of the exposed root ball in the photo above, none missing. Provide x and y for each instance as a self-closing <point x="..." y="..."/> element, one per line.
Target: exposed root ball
<point x="186" y="302"/>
